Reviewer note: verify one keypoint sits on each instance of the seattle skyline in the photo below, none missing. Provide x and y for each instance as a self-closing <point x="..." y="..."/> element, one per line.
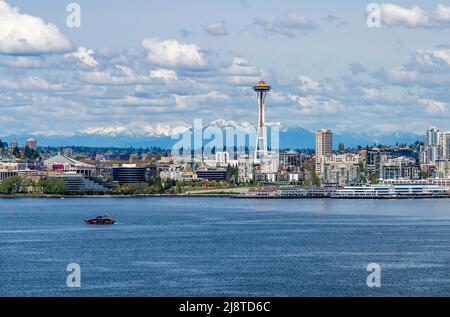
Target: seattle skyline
<point x="327" y="69"/>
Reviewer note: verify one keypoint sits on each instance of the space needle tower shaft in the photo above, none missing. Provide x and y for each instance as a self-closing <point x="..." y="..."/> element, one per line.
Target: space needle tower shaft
<point x="261" y="138"/>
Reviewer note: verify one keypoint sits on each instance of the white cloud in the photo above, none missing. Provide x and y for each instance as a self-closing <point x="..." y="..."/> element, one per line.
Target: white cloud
<point x="433" y="107"/>
<point x="166" y="74"/>
<point x="26" y="34"/>
<point x="331" y="18"/>
<point x="415" y="17"/>
<point x="22" y="62"/>
<point x="393" y="14"/>
<point x="442" y="13"/>
<point x="308" y="84"/>
<point x="120" y="75"/>
<point x="174" y="54"/>
<point x="432" y="57"/>
<point x="401" y="75"/>
<point x="84" y="55"/>
<point x="241" y="67"/>
<point x="291" y="25"/>
<point x="156" y="104"/>
<point x="218" y="28"/>
<point x="371" y="93"/>
<point x="30" y="83"/>
<point x="311" y="105"/>
<point x="193" y="101"/>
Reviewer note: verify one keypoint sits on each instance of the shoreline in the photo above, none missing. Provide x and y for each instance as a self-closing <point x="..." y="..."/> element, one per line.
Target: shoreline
<point x="17" y="196"/>
<point x="213" y="195"/>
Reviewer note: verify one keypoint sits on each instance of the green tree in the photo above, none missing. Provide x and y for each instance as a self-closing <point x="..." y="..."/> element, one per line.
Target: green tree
<point x="16" y="152"/>
<point x="11" y="185"/>
<point x="315" y="178"/>
<point x="362" y="178"/>
<point x="30" y="153"/>
<point x="232" y="174"/>
<point x="27" y="152"/>
<point x="134" y="189"/>
<point x="373" y="178"/>
<point x="52" y="186"/>
<point x="154" y="181"/>
<point x="362" y="173"/>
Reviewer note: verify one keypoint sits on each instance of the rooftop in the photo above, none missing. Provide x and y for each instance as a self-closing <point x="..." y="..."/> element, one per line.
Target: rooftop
<point x="61" y="159"/>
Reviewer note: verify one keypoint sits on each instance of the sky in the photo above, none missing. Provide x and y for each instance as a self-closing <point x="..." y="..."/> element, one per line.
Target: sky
<point x="160" y="64"/>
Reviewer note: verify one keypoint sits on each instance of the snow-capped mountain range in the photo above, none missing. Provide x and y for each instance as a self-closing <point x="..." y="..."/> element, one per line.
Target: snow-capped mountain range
<point x="160" y="135"/>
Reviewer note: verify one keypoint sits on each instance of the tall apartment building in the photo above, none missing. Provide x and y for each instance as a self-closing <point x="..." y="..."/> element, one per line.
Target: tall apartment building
<point x="444" y="142"/>
<point x="245" y="170"/>
<point x="31" y="144"/>
<point x="432" y="137"/>
<point x="324" y="146"/>
<point x="437" y="146"/>
<point x="13" y="144"/>
<point x="340" y="170"/>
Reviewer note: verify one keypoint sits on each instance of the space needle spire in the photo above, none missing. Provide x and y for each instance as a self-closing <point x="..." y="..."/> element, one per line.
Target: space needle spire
<point x="261" y="137"/>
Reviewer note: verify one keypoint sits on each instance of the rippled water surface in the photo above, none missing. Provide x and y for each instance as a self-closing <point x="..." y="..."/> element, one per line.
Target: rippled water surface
<point x="221" y="246"/>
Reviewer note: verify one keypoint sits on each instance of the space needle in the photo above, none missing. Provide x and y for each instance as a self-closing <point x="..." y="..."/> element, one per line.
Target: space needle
<point x="261" y="152"/>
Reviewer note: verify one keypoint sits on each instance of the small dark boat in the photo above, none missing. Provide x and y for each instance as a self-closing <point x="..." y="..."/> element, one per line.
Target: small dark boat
<point x="100" y="220"/>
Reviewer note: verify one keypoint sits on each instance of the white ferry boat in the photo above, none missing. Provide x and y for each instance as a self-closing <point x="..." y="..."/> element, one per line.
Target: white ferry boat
<point x="273" y="193"/>
<point x="393" y="190"/>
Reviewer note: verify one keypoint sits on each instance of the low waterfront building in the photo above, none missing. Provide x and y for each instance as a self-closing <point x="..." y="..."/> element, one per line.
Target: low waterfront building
<point x="212" y="174"/>
<point x="177" y="175"/>
<point x="129" y="174"/>
<point x="392" y="190"/>
<point x="400" y="168"/>
<point x="339" y="170"/>
<point x="273" y="193"/>
<point x="443" y="182"/>
<point x="78" y="183"/>
<point x="17" y="168"/>
<point x="5" y="174"/>
<point x="62" y="164"/>
<point x="294" y="177"/>
<point x="16" y="165"/>
<point x="292" y="161"/>
<point x="442" y="168"/>
<point x="245" y="170"/>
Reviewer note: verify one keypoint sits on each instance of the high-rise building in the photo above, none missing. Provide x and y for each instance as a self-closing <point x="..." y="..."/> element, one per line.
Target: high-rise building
<point x="13" y="144"/>
<point x="324" y="146"/>
<point x="31" y="144"/>
<point x="68" y="152"/>
<point x="437" y="146"/>
<point x="444" y="142"/>
<point x="432" y="136"/>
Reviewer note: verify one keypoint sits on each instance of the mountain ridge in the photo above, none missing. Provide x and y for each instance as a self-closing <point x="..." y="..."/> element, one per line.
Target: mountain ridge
<point x="160" y="135"/>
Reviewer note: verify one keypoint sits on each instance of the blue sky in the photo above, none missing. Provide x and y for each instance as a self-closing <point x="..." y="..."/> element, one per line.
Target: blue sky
<point x="146" y="64"/>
